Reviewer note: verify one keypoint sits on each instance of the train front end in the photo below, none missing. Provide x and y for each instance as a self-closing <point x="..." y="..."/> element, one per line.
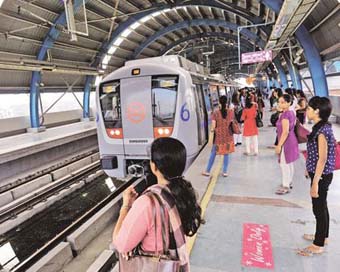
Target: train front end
<point x="135" y="106"/>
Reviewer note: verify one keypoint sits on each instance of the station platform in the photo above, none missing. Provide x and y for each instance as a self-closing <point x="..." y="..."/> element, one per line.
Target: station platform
<point x="29" y="143"/>
<point x="30" y="155"/>
<point x="247" y="195"/>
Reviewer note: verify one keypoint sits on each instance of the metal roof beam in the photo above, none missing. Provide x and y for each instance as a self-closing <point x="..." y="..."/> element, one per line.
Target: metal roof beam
<point x="311" y="52"/>
<point x="196" y="22"/>
<point x="201" y="35"/>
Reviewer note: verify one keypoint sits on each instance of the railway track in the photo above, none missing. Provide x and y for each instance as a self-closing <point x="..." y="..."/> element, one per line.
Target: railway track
<point x="12" y="211"/>
<point x="23" y="266"/>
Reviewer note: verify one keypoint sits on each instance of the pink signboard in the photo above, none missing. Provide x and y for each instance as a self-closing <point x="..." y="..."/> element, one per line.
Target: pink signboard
<point x="257" y="248"/>
<point x="255" y="57"/>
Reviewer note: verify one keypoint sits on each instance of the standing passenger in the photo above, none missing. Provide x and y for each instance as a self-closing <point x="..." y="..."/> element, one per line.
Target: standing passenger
<point x="238" y="113"/>
<point x="223" y="137"/>
<point x="287" y="147"/>
<point x="135" y="225"/>
<point x="320" y="165"/>
<point x="250" y="130"/>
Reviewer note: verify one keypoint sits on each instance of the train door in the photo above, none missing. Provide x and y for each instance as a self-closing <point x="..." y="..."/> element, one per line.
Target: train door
<point x="200" y="116"/>
<point x="203" y="107"/>
<point x="207" y="101"/>
<point x="136" y="114"/>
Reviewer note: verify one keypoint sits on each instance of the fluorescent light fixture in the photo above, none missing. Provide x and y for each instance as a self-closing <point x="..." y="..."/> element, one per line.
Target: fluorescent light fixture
<point x="126" y="32"/>
<point x="118" y="41"/>
<point x="155" y="14"/>
<point x="166" y="10"/>
<point x="145" y="19"/>
<point x="135" y="25"/>
<point x="112" y="50"/>
<point x="1" y="2"/>
<point x="106" y="59"/>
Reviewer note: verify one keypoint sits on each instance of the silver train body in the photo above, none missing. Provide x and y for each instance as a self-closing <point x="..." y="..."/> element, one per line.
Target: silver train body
<point x="151" y="98"/>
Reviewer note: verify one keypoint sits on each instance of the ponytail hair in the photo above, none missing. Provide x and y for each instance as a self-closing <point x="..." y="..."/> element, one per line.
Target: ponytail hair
<point x="169" y="156"/>
<point x="223" y="102"/>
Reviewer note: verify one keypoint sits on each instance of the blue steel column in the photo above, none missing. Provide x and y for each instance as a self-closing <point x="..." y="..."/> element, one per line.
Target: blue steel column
<point x="298" y="78"/>
<point x="291" y="71"/>
<point x="294" y="74"/>
<point x="86" y="99"/>
<point x="282" y="73"/>
<point x="311" y="53"/>
<point x="48" y="43"/>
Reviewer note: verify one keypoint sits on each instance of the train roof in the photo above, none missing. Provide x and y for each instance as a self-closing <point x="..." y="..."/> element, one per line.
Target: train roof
<point x="193" y="68"/>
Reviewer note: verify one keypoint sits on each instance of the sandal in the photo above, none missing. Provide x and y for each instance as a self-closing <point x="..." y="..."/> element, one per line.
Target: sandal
<point x="282" y="191"/>
<point x="225" y="175"/>
<point x="206" y="174"/>
<point x="308" y="252"/>
<point x="311" y="237"/>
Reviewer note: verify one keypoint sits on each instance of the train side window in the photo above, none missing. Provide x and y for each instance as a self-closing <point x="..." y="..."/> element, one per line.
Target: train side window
<point x="109" y="96"/>
<point x="164" y="97"/>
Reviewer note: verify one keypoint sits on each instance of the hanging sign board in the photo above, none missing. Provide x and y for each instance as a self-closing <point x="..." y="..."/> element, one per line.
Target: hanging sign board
<point x="256" y="57"/>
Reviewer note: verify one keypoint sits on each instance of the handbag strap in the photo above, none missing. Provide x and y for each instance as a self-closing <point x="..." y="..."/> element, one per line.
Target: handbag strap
<point x="152" y="197"/>
<point x="154" y="215"/>
<point x="164" y="230"/>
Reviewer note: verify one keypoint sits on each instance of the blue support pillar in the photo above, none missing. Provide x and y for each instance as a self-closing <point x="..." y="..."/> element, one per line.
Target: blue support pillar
<point x="282" y="73"/>
<point x="294" y="74"/>
<point x="86" y="98"/>
<point x="311" y="53"/>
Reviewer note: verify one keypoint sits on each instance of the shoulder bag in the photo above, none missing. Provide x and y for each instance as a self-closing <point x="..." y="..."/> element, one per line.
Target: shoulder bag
<point x="140" y="261"/>
<point x="301" y="132"/>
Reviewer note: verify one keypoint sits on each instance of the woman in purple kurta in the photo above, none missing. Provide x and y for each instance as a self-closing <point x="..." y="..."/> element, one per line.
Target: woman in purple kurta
<point x="287" y="148"/>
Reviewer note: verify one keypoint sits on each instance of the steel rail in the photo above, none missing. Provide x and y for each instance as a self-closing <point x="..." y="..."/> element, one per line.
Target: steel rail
<point x="62" y="236"/>
<point x="13" y="211"/>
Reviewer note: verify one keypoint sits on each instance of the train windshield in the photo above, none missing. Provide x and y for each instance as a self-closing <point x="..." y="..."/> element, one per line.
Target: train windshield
<point x="109" y="97"/>
<point x="164" y="94"/>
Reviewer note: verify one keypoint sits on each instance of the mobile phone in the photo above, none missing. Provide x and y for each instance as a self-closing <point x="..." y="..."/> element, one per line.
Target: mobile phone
<point x="141" y="186"/>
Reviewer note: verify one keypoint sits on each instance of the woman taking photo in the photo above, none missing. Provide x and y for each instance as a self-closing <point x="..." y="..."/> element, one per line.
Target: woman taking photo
<point x="223" y="143"/>
<point x="320" y="165"/>
<point x="136" y="223"/>
<point x="287" y="147"/>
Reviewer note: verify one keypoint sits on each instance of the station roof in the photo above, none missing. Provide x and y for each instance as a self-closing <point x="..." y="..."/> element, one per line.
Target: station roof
<point x="127" y="29"/>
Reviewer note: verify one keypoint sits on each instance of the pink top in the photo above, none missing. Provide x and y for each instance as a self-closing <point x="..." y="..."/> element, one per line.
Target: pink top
<point x="138" y="226"/>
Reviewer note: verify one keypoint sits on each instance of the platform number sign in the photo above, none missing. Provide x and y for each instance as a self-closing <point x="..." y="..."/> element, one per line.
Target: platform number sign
<point x="185" y="113"/>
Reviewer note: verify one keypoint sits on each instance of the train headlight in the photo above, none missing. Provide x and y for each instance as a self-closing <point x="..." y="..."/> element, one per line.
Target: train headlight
<point x="115" y="133"/>
<point x="159" y="132"/>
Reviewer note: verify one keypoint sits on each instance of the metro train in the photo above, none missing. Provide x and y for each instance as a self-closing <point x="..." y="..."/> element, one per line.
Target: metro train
<point x="150" y="98"/>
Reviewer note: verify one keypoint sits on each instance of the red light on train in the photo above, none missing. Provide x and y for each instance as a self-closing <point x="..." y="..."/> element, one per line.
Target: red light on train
<point x="115" y="133"/>
<point x="159" y="132"/>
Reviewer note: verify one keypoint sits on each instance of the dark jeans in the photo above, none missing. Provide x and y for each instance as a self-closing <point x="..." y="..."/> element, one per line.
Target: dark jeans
<point x="320" y="209"/>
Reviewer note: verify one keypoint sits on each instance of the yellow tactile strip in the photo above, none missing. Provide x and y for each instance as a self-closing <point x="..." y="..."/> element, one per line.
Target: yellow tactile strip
<point x="254" y="201"/>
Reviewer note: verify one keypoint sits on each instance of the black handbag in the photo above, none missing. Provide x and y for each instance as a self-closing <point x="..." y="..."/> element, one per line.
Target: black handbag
<point x="259" y="122"/>
<point x="274" y="118"/>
